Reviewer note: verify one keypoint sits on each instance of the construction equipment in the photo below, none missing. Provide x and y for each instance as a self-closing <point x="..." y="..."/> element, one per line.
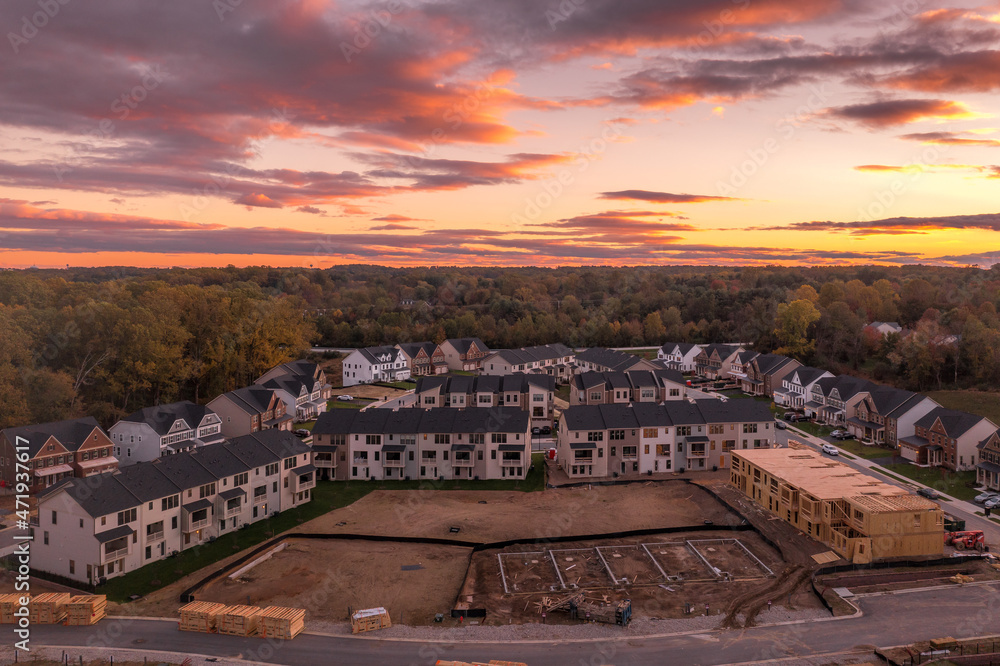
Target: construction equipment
<point x="966" y="540"/>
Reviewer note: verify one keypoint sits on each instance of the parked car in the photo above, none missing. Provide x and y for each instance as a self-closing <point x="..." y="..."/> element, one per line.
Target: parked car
<point x="992" y="503"/>
<point x="302" y="432"/>
<point x="780" y="425"/>
<point x="985" y="496"/>
<point x="535" y="432"/>
<point x="929" y="493"/>
<point x="345" y="398"/>
<point x="841" y="434"/>
<point x="546" y="430"/>
<point x="789" y="416"/>
<point x="830" y="449"/>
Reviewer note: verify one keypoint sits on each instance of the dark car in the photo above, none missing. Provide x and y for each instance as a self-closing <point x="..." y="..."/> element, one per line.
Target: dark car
<point x="929" y="493"/>
<point x="781" y="425"/>
<point x="546" y="430"/>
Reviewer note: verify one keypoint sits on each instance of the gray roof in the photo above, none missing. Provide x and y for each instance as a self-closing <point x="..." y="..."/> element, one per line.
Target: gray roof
<point x="184" y="470"/>
<point x="251" y="399"/>
<point x="955" y="423"/>
<point x="411" y="349"/>
<point x="534" y="354"/>
<point x="70" y="433"/>
<point x="98" y="495"/>
<point x="723" y="350"/>
<point x="283" y="443"/>
<point x="462" y="345"/>
<point x="670" y="413"/>
<point x="162" y="417"/>
<point x="375" y="354"/>
<point x="114" y="533"/>
<point x="219" y="460"/>
<point x="807" y="374"/>
<point x="769" y="363"/>
<point x="846" y="385"/>
<point x="232" y="493"/>
<point x="615" y="361"/>
<point x="248" y="449"/>
<point x="413" y="421"/>
<point x="298" y="367"/>
<point x="517" y="381"/>
<point x="197" y="505"/>
<point x="146" y="482"/>
<point x="682" y="347"/>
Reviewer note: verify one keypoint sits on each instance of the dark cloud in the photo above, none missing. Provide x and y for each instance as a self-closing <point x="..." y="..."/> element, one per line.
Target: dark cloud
<point x="662" y="197"/>
<point x="897" y="225"/>
<point x="950" y="139"/>
<point x="898" y="112"/>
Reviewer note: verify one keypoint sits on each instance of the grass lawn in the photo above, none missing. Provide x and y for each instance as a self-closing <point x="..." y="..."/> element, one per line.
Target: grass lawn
<point x="405" y="385"/>
<point x="342" y="404"/>
<point x="890" y="475"/>
<point x="977" y="402"/>
<point x="326" y="496"/>
<point x="562" y="392"/>
<point x="859" y="449"/>
<point x="468" y="373"/>
<point x="813" y="429"/>
<point x="308" y="425"/>
<point x="944" y="481"/>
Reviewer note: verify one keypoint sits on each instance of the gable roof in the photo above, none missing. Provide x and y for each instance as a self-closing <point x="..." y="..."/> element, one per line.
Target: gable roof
<point x="684" y="348"/>
<point x="846" y="385"/>
<point x="146" y="482"/>
<point x="955" y="423"/>
<point x="71" y="433"/>
<point x="533" y="354"/>
<point x="375" y="354"/>
<point x="218" y="460"/>
<point x="250" y="399"/>
<point x="98" y="495"/>
<point x="677" y="412"/>
<point x="414" y="421"/>
<point x="411" y="349"/>
<point x="613" y="360"/>
<point x="162" y="417"/>
<point x="723" y="350"/>
<point x="462" y="345"/>
<point x="807" y="374"/>
<point x="770" y="363"/>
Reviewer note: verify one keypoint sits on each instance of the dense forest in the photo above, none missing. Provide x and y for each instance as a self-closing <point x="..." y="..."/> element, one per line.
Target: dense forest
<point x="107" y="341"/>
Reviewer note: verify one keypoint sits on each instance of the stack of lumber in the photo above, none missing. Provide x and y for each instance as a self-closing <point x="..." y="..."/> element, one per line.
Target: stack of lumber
<point x="283" y="623"/>
<point x="48" y="608"/>
<point x="370" y="619"/>
<point x="239" y="620"/>
<point x="961" y="579"/>
<point x="201" y="616"/>
<point x="86" y="609"/>
<point x="8" y="604"/>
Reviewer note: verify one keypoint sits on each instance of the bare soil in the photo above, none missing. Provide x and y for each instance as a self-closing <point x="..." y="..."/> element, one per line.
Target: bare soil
<point x="412" y="581"/>
<point x="516" y="515"/>
<point x="531" y="578"/>
<point x="38" y="586"/>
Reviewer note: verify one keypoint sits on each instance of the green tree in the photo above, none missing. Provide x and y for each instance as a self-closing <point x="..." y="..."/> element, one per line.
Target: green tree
<point x="792" y="324"/>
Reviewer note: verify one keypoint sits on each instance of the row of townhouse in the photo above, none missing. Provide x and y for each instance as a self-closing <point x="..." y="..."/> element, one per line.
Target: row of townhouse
<point x="612" y="439"/>
<point x="439" y="443"/>
<point x="251" y="409"/>
<point x="533" y="393"/>
<point x="924" y="432"/>
<point x="606" y="388"/>
<point x="763" y="374"/>
<point x="556" y="360"/>
<point x="58" y="450"/>
<point x="100" y="527"/>
<point x="602" y="359"/>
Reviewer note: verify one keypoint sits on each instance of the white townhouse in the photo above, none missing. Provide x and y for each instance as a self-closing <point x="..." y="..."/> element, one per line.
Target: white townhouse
<point x="375" y="364"/>
<point x="679" y="355"/>
<point x="796" y="386"/>
<point x="100" y="527"/>
<point x="152" y="432"/>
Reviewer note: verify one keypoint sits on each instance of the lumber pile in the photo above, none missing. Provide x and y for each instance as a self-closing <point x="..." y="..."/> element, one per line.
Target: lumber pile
<point x="86" y="609"/>
<point x="48" y="608"/>
<point x="283" y="623"/>
<point x="961" y="579"/>
<point x="370" y="619"/>
<point x="8" y="604"/>
<point x="201" y="616"/>
<point x="239" y="620"/>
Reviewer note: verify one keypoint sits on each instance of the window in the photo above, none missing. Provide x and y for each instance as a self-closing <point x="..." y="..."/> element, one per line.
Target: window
<point x="716" y="429"/>
<point x="479" y="455"/>
<point x="614" y="450"/>
<point x="81" y="522"/>
<point x="290" y="462"/>
<point x="595" y="436"/>
<point x="477" y="438"/>
<point x="442" y="439"/>
<point x="241" y="479"/>
<point x="271" y="469"/>
<point x="374" y="440"/>
<point x="650" y="432"/>
<point x="675" y="392"/>
<point x="683" y="431"/>
<point x="499" y="438"/>
<point x="173" y="523"/>
<point x="206" y="490"/>
<point x="45" y="537"/>
<point x="53" y="517"/>
<point x="749" y="427"/>
<point x="72" y="567"/>
<point x="171" y="502"/>
<point x="614" y="435"/>
<point x="127" y="516"/>
<point x="493" y="454"/>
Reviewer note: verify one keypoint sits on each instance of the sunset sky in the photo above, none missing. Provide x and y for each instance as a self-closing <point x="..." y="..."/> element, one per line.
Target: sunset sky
<point x="498" y="132"/>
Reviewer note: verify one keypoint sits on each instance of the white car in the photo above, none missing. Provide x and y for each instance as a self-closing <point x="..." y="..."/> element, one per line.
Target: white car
<point x="986" y="496"/>
<point x="830" y="449"/>
<point x="345" y="398"/>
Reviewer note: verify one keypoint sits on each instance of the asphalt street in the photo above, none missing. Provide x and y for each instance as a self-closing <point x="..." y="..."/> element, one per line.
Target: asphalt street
<point x="888" y="620"/>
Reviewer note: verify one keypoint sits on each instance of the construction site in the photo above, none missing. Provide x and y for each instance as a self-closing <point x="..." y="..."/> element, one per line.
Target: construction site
<point x="500" y="558"/>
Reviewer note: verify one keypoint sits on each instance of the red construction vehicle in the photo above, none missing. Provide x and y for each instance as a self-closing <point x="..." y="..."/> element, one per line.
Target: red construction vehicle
<point x="966" y="539"/>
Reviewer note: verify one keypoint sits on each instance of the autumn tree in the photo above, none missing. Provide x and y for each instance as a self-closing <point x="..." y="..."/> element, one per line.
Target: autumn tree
<point x="792" y="323"/>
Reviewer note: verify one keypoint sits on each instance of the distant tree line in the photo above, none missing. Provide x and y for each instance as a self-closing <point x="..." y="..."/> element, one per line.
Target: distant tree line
<point x="106" y="341"/>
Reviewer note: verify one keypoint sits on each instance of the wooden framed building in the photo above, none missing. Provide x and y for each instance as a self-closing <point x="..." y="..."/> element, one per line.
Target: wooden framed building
<point x="859" y="517"/>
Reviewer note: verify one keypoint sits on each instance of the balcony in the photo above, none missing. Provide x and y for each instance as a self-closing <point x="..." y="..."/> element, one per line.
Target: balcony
<point x="234" y="511"/>
<point x="359" y="461"/>
<point x="463" y="462"/>
<point x="326" y="462"/>
<point x="304" y="478"/>
<point x="112" y="555"/>
<point x="697" y="453"/>
<point x="154" y="537"/>
<point x="583" y="460"/>
<point x="195" y="525"/>
<point x="393" y="463"/>
<point x="260" y="499"/>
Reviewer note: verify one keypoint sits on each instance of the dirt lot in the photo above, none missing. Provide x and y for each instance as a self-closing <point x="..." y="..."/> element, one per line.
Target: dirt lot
<point x="369" y="391"/>
<point x="412" y="581"/>
<point x="512" y="515"/>
<point x="531" y="577"/>
<point x="38" y="586"/>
